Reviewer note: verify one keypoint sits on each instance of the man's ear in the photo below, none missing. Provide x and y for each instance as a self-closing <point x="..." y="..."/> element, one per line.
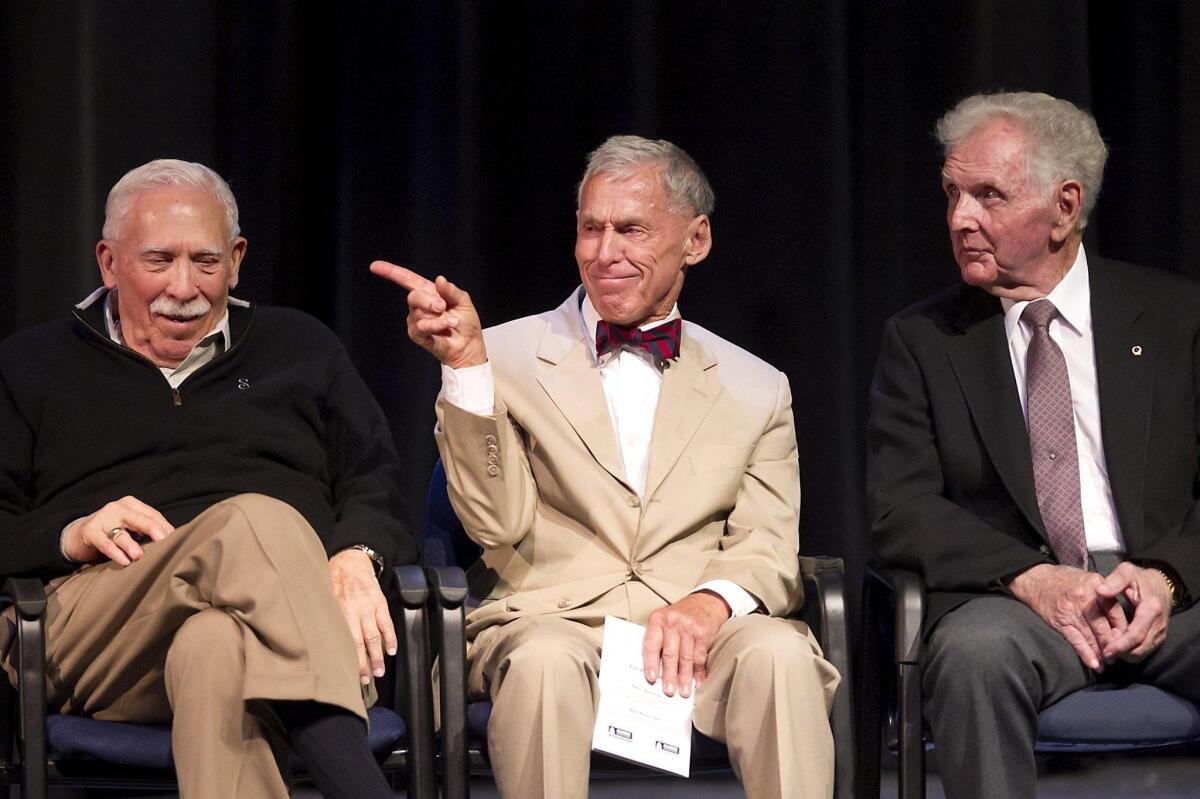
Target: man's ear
<point x="699" y="241"/>
<point x="236" y="254"/>
<point x="105" y="257"/>
<point x="1068" y="206"/>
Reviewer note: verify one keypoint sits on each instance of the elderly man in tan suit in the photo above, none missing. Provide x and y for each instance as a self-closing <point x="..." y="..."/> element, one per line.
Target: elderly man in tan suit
<point x="614" y="460"/>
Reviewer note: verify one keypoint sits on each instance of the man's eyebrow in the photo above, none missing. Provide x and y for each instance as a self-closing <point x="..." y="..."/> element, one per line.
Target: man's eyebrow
<point x="616" y="222"/>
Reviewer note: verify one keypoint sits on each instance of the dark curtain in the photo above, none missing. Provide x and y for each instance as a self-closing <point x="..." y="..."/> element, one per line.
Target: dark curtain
<point x="448" y="136"/>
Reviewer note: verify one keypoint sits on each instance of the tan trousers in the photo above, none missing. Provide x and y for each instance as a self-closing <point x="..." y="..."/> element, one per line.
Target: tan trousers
<point x="233" y="607"/>
<point x="767" y="696"/>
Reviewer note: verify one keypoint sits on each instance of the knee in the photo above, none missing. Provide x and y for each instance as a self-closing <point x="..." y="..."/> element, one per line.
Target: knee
<point x="262" y="512"/>
<point x="211" y="639"/>
<point x="764" y="645"/>
<point x="972" y="653"/>
<point x="538" y="649"/>
<point x="260" y="507"/>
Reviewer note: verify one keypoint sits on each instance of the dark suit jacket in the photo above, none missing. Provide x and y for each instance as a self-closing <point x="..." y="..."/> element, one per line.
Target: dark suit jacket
<point x="949" y="478"/>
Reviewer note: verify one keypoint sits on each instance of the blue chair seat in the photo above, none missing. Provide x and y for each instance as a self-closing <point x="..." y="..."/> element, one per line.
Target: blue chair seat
<point x="1110" y="717"/>
<point x="149" y="746"/>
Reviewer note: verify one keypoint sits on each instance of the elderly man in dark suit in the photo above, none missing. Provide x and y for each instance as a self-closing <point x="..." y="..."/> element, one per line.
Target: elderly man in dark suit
<point x="1033" y="448"/>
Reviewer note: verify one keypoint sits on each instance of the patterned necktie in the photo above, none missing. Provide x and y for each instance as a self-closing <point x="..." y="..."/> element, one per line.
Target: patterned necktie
<point x="1052" y="439"/>
<point x="661" y="342"/>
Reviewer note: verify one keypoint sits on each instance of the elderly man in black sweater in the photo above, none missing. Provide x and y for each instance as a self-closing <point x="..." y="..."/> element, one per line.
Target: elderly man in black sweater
<point x="211" y="493"/>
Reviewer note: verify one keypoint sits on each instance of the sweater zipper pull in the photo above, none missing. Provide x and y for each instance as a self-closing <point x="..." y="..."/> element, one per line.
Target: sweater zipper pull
<point x="176" y="397"/>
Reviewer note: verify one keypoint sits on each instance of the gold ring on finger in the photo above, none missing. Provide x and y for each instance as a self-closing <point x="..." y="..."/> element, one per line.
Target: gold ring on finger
<point x="113" y="533"/>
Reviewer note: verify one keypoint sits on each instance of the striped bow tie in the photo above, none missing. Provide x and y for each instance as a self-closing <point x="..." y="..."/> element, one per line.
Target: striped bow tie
<point x="661" y="342"/>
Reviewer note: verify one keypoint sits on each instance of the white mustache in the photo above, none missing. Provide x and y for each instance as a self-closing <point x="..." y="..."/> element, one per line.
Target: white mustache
<point x="192" y="309"/>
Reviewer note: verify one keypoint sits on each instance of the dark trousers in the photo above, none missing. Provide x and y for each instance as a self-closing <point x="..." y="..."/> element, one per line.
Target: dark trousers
<point x="992" y="664"/>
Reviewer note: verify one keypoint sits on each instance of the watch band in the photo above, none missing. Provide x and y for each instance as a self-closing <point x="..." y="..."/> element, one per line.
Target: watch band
<point x="1173" y="588"/>
<point x="375" y="557"/>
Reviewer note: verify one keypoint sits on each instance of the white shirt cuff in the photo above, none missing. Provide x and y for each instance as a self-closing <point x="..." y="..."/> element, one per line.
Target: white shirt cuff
<point x="62" y="539"/>
<point x="471" y="389"/>
<point x="740" y="602"/>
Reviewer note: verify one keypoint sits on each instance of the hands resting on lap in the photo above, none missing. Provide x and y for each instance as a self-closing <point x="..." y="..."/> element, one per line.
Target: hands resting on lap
<point x="1082" y="606"/>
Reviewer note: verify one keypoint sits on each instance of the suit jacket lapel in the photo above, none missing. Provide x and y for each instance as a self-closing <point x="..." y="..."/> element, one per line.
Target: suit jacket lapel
<point x="1126" y="386"/>
<point x="569" y="376"/>
<point x="688" y="393"/>
<point x="983" y="366"/>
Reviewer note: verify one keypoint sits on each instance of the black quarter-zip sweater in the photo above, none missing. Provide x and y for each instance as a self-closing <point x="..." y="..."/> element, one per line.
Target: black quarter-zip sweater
<point x="283" y="412"/>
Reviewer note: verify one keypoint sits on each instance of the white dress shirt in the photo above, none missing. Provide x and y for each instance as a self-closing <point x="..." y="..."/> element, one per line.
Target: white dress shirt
<point x="632" y="380"/>
<point x="1071" y="330"/>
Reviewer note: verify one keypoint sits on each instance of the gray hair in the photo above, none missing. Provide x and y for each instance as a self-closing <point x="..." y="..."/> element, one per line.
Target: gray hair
<point x="1064" y="142"/>
<point x="688" y="191"/>
<point x="166" y="172"/>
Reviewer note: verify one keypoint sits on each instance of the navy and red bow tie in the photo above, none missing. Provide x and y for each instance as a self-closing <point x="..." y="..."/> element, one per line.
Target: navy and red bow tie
<point x="661" y="342"/>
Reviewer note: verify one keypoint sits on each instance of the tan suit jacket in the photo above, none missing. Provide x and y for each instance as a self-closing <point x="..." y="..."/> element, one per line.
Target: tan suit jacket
<point x="540" y="483"/>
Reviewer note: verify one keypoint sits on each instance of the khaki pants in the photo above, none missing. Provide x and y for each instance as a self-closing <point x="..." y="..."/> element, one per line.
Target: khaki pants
<point x="767" y="696"/>
<point x="233" y="607"/>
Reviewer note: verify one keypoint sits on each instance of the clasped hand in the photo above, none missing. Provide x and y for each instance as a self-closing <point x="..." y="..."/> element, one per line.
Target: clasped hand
<point x="1082" y="606"/>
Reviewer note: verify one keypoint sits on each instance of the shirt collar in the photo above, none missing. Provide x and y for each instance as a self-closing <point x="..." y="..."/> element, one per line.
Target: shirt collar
<point x="112" y="324"/>
<point x="591" y="317"/>
<point x="1072" y="297"/>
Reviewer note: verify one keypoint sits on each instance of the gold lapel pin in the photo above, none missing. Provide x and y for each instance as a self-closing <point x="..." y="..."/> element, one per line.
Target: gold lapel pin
<point x="1137" y="349"/>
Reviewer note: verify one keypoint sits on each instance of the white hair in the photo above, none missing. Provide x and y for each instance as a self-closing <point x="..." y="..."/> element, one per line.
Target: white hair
<point x="166" y="172"/>
<point x="688" y="190"/>
<point x="1063" y="140"/>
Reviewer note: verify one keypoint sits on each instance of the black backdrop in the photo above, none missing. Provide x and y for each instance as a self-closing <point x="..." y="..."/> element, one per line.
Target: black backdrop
<point x="448" y="136"/>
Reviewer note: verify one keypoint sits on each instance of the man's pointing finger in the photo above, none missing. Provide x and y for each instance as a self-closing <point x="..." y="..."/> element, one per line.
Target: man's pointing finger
<point x="405" y="278"/>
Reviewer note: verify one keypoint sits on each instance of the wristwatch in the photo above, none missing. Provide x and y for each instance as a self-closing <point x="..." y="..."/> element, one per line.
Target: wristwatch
<point x="1173" y="588"/>
<point x="375" y="557"/>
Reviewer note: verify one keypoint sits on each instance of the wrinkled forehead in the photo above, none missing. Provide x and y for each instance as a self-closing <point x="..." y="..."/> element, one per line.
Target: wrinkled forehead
<point x="999" y="148"/>
<point x="605" y="194"/>
<point x="176" y="211"/>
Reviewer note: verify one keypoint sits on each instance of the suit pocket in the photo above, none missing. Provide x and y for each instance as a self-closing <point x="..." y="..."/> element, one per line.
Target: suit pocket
<point x="715" y="457"/>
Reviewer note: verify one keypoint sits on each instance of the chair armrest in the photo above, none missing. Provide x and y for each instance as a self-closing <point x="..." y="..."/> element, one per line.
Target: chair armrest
<point x="824" y="581"/>
<point x="448" y="632"/>
<point x="905" y="723"/>
<point x="29" y="599"/>
<point x="413" y="678"/>
<point x="908" y="591"/>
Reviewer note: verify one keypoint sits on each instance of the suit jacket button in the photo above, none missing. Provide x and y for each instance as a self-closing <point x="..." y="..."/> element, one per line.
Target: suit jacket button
<point x="564" y="603"/>
<point x="490" y="440"/>
<point x="493" y="470"/>
<point x="492" y="449"/>
<point x="635" y="502"/>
